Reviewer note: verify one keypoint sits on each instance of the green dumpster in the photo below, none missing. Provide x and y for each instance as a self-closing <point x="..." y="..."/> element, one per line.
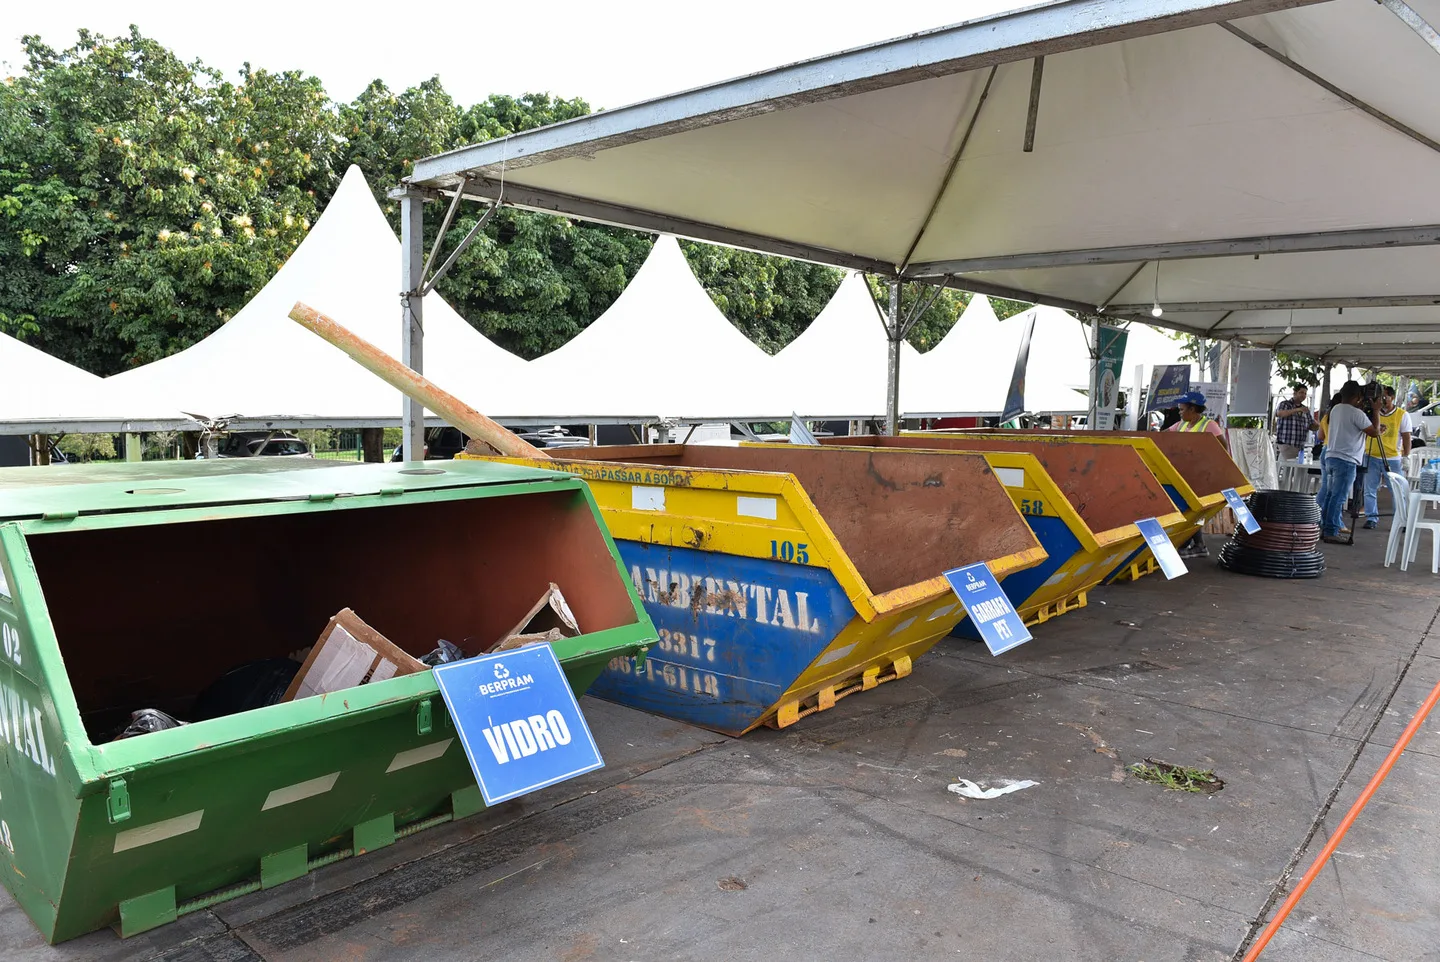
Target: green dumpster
<point x="127" y="594"/>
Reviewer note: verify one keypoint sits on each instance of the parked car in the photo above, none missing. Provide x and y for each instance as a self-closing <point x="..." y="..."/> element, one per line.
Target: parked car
<point x="250" y="444"/>
<point x="442" y="444"/>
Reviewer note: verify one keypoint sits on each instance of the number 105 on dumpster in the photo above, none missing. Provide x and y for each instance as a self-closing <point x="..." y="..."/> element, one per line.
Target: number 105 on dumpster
<point x="991" y="612"/>
<point x="519" y="721"/>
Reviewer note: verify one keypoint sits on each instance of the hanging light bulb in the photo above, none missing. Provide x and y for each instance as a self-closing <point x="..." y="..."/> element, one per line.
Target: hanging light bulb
<point x="1157" y="310"/>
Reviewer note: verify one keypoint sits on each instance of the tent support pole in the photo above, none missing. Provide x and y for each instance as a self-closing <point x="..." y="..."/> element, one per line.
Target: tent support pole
<point x="1414" y="21"/>
<point x="133" y="450"/>
<point x="1037" y="72"/>
<point x="412" y="318"/>
<point x="895" y="335"/>
<point x="1092" y="410"/>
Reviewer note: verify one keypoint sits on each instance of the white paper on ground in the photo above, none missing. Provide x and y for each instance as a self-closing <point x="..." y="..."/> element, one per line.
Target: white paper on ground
<point x="1004" y="786"/>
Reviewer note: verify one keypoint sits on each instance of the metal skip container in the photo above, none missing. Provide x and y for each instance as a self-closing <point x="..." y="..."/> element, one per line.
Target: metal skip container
<point x="1194" y="468"/>
<point x="781" y="580"/>
<point x="1082" y="502"/>
<point x="129" y="594"/>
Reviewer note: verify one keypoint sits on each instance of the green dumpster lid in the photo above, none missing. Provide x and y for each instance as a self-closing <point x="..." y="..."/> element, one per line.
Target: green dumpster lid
<point x="194" y="484"/>
<point x="100" y="471"/>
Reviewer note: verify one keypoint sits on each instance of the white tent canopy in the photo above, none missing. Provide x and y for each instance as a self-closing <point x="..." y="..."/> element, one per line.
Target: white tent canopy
<point x="969" y="372"/>
<point x="1269" y="155"/>
<point x="38" y="392"/>
<point x="835" y="369"/>
<point x="661" y="350"/>
<point x="263" y="369"/>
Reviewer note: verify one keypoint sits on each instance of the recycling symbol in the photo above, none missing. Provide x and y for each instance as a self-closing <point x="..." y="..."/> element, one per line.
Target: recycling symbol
<point x="501" y="671"/>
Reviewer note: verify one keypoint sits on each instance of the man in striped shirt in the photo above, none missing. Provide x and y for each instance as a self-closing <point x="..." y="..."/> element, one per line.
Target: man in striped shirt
<point x="1293" y="424"/>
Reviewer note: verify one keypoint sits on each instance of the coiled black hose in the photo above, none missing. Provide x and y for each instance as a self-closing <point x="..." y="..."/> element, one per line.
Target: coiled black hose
<point x="1271" y="564"/>
<point x="1286" y="507"/>
<point x="1285" y="545"/>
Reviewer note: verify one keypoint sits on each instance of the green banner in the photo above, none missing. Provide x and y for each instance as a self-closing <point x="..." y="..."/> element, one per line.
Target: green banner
<point x="1109" y="364"/>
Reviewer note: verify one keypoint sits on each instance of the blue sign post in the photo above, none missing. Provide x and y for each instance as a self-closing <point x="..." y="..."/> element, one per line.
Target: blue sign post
<point x="1162" y="548"/>
<point x="1242" y="511"/>
<point x="991" y="612"/>
<point x="518" y="720"/>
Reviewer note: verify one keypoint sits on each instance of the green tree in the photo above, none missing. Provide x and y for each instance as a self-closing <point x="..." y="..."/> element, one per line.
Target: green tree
<point x="770" y="299"/>
<point x="143" y="199"/>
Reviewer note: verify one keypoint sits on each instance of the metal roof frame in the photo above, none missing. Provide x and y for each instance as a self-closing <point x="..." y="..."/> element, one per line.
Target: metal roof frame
<point x="496" y="171"/>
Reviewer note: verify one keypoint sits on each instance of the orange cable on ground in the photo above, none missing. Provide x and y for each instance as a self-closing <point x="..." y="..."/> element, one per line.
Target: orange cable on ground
<point x="1316" y="866"/>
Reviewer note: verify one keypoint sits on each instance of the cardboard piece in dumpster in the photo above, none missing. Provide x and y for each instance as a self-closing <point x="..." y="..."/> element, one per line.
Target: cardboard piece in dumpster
<point x="349" y="653"/>
<point x="549" y="620"/>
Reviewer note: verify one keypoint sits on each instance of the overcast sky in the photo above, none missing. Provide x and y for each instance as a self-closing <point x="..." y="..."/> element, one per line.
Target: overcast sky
<point x="609" y="53"/>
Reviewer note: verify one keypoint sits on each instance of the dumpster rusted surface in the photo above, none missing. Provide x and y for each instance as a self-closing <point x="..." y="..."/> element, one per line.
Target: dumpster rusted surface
<point x="1107" y="486"/>
<point x="1195" y="469"/>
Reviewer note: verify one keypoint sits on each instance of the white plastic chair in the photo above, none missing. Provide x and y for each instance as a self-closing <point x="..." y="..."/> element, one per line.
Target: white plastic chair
<point x="1400" y="495"/>
<point x="1414" y="524"/>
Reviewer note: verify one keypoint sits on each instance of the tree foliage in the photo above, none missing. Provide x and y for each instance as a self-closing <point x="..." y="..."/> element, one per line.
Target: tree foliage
<point x="145" y="199"/>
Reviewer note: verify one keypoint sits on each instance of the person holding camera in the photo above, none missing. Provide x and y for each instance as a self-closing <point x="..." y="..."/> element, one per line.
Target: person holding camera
<point x="1384" y="453"/>
<point x="1293" y="424"/>
<point x="1350" y="422"/>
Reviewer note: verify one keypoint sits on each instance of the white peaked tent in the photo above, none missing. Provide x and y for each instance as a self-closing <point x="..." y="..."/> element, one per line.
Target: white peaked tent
<point x="261" y="368"/>
<point x="943" y="380"/>
<point x="661" y="350"/>
<point x="836" y="368"/>
<point x="969" y="371"/>
<point x="37" y="389"/>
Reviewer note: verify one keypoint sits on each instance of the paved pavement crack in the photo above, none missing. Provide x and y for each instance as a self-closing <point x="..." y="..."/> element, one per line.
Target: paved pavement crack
<point x="1316" y="824"/>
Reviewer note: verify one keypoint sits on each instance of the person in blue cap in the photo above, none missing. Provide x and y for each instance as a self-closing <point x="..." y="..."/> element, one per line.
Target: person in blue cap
<point x="1194" y="418"/>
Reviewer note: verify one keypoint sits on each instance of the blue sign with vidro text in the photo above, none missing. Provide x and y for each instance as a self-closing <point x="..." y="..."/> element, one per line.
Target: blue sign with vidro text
<point x="518" y="720"/>
<point x="989" y="609"/>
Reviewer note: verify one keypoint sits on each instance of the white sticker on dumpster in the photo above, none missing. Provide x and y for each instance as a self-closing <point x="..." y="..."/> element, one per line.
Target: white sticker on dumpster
<point x="4" y="586"/>
<point x="755" y="507"/>
<point x="647" y="499"/>
<point x="519" y="721"/>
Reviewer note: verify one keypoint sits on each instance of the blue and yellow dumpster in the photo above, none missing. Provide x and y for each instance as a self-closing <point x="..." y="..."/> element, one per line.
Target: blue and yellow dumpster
<point x="1194" y="468"/>
<point x="1081" y="501"/>
<point x="781" y="580"/>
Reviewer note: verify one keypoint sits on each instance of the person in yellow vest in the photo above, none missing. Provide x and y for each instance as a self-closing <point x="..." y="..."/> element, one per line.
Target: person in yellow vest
<point x="1194" y="419"/>
<point x="1385" y="453"/>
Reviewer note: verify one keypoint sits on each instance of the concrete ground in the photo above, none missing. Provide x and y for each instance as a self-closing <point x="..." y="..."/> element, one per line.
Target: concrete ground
<point x="837" y="838"/>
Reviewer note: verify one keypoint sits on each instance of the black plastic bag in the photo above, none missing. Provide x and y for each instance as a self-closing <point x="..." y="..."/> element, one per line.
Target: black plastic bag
<point x="145" y="721"/>
<point x="254" y="684"/>
<point x="444" y="654"/>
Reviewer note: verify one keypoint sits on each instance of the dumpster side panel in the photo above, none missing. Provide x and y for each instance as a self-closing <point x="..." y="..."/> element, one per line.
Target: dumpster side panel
<point x="38" y="805"/>
<point x="734" y="634"/>
<point x="900" y="516"/>
<point x="217" y="824"/>
<point x="1107" y="484"/>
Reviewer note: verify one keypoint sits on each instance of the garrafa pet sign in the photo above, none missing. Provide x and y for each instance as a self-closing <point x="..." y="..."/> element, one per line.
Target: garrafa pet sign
<point x="519" y="721"/>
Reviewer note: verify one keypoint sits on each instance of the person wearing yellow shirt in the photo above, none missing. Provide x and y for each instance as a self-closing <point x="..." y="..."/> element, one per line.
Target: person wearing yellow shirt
<point x="1385" y="453"/>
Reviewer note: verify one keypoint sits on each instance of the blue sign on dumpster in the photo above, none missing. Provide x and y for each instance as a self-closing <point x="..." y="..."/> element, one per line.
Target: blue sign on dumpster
<point x="990" y="611"/>
<point x="1162" y="548"/>
<point x="1242" y="511"/>
<point x="518" y="720"/>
